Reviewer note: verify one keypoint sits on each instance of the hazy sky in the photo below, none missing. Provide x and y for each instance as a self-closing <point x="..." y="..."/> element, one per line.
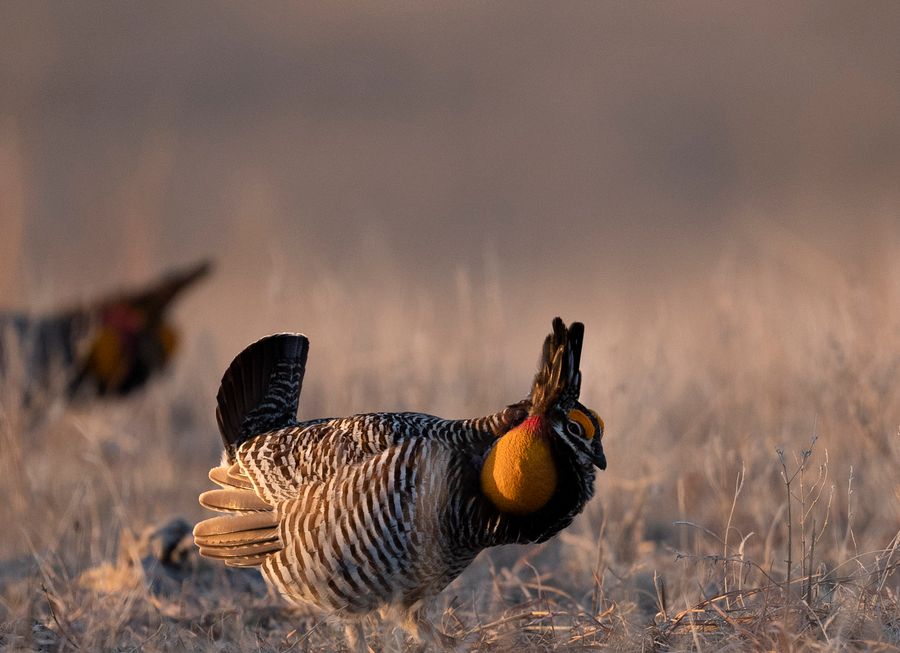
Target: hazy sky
<point x="597" y="144"/>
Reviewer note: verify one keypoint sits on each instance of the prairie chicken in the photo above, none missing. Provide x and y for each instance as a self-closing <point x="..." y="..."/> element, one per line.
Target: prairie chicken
<point x="380" y="511"/>
<point x="107" y="347"/>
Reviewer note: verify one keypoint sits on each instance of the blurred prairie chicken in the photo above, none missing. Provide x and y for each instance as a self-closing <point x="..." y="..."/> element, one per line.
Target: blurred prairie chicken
<point x="107" y="347"/>
<point x="380" y="511"/>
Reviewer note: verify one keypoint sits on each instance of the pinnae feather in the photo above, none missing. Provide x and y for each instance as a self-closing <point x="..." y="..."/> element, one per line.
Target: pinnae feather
<point x="557" y="383"/>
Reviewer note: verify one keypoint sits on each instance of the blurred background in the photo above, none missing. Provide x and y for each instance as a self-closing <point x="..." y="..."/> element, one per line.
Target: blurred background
<point x="577" y="158"/>
<point x="712" y="188"/>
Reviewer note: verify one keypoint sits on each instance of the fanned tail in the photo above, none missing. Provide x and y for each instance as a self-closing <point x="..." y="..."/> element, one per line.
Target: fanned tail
<point x="260" y="390"/>
<point x="557" y="383"/>
<point x="259" y="393"/>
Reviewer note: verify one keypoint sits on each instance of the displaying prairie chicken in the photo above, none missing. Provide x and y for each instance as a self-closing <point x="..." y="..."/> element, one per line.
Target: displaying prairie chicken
<point x="380" y="511"/>
<point x="106" y="347"/>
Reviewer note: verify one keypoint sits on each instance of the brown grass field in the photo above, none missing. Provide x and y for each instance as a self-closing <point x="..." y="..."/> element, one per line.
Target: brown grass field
<point x="712" y="188"/>
<point x="752" y="499"/>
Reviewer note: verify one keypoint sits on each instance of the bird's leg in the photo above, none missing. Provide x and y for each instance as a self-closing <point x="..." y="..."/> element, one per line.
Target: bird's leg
<point x="393" y="633"/>
<point x="429" y="637"/>
<point x="393" y="639"/>
<point x="356" y="638"/>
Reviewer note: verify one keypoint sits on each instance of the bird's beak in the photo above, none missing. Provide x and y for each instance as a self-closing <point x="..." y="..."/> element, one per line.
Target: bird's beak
<point x="599" y="460"/>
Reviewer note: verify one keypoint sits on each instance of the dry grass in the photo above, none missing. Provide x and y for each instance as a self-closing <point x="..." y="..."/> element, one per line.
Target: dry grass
<point x="752" y="501"/>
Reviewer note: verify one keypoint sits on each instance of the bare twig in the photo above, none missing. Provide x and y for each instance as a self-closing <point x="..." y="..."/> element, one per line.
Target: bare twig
<point x="790" y="529"/>
<point x="738" y="485"/>
<point x="812" y="551"/>
<point x="62" y="629"/>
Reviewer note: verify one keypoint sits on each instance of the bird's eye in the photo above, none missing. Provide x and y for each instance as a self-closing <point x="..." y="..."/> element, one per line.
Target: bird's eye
<point x="574" y="428"/>
<point x="580" y="424"/>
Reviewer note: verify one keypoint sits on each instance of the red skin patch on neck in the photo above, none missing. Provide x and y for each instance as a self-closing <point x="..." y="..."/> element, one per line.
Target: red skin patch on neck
<point x="535" y="424"/>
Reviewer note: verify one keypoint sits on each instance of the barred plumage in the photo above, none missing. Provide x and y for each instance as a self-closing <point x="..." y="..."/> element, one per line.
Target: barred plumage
<point x="381" y="511"/>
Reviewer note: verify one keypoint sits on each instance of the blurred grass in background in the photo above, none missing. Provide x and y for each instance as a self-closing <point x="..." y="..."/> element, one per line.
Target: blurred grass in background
<point x="698" y="398"/>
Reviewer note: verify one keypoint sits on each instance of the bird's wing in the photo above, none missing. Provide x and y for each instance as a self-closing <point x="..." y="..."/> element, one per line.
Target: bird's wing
<point x="280" y="462"/>
<point x="248" y="532"/>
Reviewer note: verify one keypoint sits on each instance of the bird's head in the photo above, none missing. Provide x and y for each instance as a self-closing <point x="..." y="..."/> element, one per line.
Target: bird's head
<point x="521" y="472"/>
<point x="555" y="393"/>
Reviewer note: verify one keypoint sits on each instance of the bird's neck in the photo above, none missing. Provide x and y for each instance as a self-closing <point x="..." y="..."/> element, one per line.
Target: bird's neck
<point x="519" y="475"/>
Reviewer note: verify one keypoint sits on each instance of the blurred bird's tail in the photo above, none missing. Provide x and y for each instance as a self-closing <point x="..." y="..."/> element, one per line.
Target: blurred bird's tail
<point x="157" y="298"/>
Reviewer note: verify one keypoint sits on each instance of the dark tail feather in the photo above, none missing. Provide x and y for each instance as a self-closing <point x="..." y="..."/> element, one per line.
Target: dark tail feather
<point x="558" y="380"/>
<point x="260" y="390"/>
